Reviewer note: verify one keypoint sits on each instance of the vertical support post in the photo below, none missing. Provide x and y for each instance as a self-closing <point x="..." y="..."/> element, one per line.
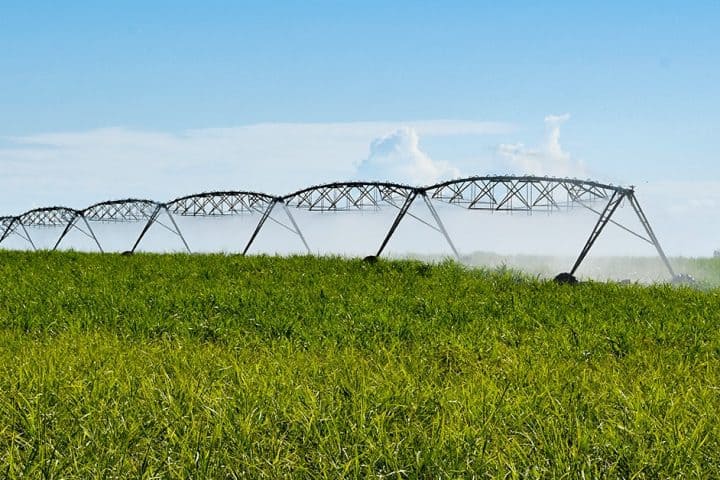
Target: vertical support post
<point x="403" y="210"/>
<point x="646" y="224"/>
<point x="439" y="223"/>
<point x="150" y="221"/>
<point x="295" y="225"/>
<point x="605" y="216"/>
<point x="177" y="229"/>
<point x="260" y="224"/>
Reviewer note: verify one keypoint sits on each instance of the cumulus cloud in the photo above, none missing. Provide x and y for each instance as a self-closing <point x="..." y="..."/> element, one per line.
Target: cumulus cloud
<point x="547" y="159"/>
<point x="397" y="157"/>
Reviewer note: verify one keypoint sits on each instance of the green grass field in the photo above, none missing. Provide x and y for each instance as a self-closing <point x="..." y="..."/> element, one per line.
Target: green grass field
<point x="190" y="366"/>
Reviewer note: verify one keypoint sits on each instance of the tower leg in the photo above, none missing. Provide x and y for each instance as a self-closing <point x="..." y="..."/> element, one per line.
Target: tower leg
<point x="440" y="225"/>
<point x="65" y="231"/>
<point x="27" y="236"/>
<point x="150" y="221"/>
<point x="403" y="210"/>
<point x="259" y="226"/>
<point x="648" y="229"/>
<point x="295" y="226"/>
<point x="177" y="229"/>
<point x="605" y="216"/>
<point x="92" y="233"/>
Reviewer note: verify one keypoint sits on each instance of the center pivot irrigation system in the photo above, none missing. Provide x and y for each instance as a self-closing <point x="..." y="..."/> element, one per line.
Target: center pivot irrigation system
<point x="491" y="193"/>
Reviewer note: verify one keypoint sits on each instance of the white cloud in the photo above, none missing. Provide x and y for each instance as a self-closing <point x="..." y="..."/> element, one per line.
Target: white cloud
<point x="397" y="157"/>
<point x="80" y="168"/>
<point x="548" y="159"/>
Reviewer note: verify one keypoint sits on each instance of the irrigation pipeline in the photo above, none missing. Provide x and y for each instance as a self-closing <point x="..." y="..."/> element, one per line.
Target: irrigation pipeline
<point x="488" y="193"/>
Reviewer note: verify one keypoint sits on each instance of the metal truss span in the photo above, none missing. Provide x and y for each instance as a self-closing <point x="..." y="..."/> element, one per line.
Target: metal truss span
<point x="490" y="193"/>
<point x="531" y="193"/>
<point x="527" y="193"/>
<point x="220" y="203"/>
<point x="348" y="196"/>
<point x="133" y="210"/>
<point x="48" y="217"/>
<point x="127" y="210"/>
<point x="363" y="196"/>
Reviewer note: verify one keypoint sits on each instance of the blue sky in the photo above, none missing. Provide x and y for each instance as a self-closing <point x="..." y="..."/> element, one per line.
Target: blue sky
<point x="639" y="80"/>
<point x="89" y="86"/>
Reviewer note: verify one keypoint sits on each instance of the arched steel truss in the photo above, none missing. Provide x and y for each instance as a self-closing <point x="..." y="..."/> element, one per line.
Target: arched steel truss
<point x="133" y="210"/>
<point x="529" y="193"/>
<point x="503" y="193"/>
<point x="491" y="193"/>
<point x="347" y="196"/>
<point x="42" y="218"/>
<point x="211" y="204"/>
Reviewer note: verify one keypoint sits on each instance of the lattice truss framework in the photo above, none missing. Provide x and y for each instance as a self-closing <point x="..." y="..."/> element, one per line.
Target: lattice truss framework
<point x="48" y="217"/>
<point x="336" y="197"/>
<point x="128" y="210"/>
<point x="220" y="203"/>
<point x="212" y="204"/>
<point x="491" y="193"/>
<point x="519" y="193"/>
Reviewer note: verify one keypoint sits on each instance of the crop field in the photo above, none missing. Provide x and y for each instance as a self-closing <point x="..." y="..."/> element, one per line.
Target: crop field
<point x="215" y="366"/>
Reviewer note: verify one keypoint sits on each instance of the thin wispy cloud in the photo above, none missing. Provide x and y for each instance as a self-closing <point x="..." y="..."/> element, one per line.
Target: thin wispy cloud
<point x="79" y="168"/>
